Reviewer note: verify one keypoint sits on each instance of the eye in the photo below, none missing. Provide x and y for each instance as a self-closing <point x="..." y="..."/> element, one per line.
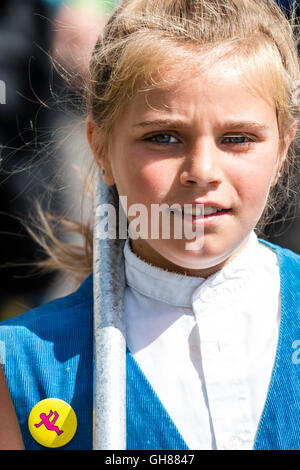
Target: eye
<point x="162" y="139"/>
<point x="238" y="140"/>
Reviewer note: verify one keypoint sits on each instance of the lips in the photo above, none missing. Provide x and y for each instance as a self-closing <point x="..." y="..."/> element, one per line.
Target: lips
<point x="199" y="209"/>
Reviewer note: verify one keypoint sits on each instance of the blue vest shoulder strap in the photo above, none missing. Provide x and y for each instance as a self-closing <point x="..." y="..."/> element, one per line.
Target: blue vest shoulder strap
<point x="279" y="424"/>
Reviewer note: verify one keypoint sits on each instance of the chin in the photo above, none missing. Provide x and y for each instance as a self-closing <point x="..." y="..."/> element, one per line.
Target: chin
<point x="194" y="259"/>
<point x="198" y="262"/>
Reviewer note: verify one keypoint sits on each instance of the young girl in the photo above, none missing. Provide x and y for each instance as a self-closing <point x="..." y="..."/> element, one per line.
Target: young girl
<point x="190" y="103"/>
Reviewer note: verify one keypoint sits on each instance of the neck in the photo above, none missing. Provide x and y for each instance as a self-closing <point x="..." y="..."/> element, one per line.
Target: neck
<point x="154" y="258"/>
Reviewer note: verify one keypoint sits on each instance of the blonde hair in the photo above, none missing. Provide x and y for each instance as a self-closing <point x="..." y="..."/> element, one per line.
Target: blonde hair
<point x="143" y="37"/>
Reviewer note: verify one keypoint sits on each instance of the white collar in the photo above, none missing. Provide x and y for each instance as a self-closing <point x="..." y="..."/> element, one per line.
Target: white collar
<point x="181" y="290"/>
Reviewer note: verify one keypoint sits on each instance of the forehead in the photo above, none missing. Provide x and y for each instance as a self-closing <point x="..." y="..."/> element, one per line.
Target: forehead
<point x="222" y="86"/>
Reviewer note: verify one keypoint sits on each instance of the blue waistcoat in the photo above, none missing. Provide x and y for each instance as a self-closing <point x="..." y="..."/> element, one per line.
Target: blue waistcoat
<point x="48" y="353"/>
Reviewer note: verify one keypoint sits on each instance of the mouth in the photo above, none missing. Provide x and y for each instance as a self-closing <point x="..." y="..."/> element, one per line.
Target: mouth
<point x="200" y="211"/>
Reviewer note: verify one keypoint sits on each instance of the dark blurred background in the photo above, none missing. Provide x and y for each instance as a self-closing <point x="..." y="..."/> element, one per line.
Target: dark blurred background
<point x="35" y="120"/>
<point x="287" y="233"/>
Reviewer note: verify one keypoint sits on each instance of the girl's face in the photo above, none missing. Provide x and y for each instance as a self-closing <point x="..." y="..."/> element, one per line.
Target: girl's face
<point x="207" y="139"/>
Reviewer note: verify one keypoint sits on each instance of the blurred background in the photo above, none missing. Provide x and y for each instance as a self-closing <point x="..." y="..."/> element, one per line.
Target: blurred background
<point x="41" y="132"/>
<point x="42" y="135"/>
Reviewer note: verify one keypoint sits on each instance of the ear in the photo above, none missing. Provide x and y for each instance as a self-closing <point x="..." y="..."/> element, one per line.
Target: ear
<point x="96" y="142"/>
<point x="284" y="153"/>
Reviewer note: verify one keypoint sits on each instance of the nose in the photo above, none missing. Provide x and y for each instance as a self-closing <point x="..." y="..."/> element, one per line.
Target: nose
<point x="201" y="166"/>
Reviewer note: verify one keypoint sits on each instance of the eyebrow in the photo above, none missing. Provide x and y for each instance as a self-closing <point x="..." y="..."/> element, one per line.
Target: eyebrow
<point x="233" y="125"/>
<point x="256" y="126"/>
<point x="162" y="123"/>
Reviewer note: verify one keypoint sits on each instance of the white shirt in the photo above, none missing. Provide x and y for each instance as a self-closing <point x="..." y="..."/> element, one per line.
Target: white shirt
<point x="207" y="346"/>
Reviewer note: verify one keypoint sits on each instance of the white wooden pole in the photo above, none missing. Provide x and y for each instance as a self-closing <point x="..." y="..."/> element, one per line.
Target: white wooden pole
<point x="109" y="395"/>
<point x="109" y="333"/>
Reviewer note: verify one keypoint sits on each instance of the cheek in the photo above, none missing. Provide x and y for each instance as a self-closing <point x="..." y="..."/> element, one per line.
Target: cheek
<point x="253" y="182"/>
<point x="149" y="183"/>
<point x="155" y="181"/>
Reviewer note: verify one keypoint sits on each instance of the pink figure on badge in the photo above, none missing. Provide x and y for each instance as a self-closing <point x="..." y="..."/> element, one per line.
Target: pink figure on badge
<point x="50" y="425"/>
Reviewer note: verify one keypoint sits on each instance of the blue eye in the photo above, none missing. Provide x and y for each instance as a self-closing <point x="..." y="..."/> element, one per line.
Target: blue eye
<point x="162" y="139"/>
<point x="238" y="139"/>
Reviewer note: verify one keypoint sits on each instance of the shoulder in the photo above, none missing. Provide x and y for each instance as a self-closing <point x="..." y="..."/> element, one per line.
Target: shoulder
<point x="60" y="311"/>
<point x="67" y="320"/>
<point x="289" y="263"/>
<point x="285" y="255"/>
<point x="47" y="352"/>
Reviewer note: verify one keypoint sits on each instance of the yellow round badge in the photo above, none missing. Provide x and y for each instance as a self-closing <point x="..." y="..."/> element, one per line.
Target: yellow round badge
<point x="52" y="422"/>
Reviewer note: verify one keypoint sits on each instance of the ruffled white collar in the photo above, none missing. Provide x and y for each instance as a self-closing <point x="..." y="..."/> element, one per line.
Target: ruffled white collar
<point x="182" y="291"/>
